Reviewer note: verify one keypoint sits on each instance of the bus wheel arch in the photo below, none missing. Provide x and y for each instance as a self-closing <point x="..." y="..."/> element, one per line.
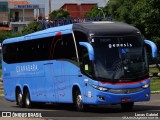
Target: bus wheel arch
<point x="19" y="97"/>
<point x="77" y="99"/>
<point x="27" y="99"/>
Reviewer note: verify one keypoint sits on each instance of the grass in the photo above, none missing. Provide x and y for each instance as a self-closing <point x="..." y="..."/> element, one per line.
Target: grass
<point x="153" y="69"/>
<point x="1" y="92"/>
<point x="155" y="84"/>
<point x="155" y="81"/>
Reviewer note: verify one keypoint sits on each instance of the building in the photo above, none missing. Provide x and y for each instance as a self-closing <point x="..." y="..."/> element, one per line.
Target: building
<point x="78" y="10"/>
<point x="22" y="12"/>
<point x="15" y="14"/>
<point x="4" y="15"/>
<point x="3" y="11"/>
<point x="18" y="13"/>
<point x="57" y="4"/>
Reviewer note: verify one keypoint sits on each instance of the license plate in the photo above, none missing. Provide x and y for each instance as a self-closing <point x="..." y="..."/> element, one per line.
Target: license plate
<point x="126" y="99"/>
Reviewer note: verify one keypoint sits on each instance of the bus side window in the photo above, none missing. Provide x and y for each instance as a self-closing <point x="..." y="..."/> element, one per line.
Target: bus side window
<point x="9" y="52"/>
<point x="65" y="49"/>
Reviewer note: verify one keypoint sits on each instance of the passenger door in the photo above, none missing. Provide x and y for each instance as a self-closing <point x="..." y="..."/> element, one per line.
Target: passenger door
<point x="60" y="81"/>
<point x="50" y="93"/>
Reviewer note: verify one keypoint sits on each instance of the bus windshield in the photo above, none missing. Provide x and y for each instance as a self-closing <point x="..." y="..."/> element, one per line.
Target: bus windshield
<point x="120" y="58"/>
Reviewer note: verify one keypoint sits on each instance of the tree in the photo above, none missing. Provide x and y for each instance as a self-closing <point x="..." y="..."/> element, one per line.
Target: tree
<point x="95" y="12"/>
<point x="32" y="27"/>
<point x="143" y="14"/>
<point x="59" y="14"/>
<point x="120" y="9"/>
<point x="8" y="34"/>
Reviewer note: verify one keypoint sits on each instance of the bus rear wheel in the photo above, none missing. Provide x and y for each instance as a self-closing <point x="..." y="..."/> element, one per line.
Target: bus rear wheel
<point x="27" y="99"/>
<point x="19" y="98"/>
<point x="127" y="106"/>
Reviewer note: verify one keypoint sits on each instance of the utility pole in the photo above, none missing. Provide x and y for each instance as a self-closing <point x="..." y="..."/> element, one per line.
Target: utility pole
<point x="102" y="12"/>
<point x="49" y="6"/>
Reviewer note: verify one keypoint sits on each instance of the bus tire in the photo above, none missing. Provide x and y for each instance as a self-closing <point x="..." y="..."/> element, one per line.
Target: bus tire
<point x="19" y="98"/>
<point x="27" y="99"/>
<point x="79" y="102"/>
<point x="127" y="106"/>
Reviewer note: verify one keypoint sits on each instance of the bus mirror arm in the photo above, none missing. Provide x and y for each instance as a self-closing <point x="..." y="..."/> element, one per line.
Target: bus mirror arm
<point x="153" y="47"/>
<point x="89" y="49"/>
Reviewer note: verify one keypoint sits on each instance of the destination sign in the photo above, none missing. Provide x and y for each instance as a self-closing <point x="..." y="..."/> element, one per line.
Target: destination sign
<point x="26" y="6"/>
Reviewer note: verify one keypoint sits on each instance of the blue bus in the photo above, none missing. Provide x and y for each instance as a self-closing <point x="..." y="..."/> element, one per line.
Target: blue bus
<point x="90" y="63"/>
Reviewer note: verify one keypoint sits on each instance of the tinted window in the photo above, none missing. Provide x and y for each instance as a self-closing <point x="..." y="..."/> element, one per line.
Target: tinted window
<point x="120" y="58"/>
<point x="49" y="48"/>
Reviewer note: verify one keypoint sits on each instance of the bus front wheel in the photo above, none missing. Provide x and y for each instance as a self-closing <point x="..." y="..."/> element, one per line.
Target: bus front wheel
<point x="127" y="106"/>
<point x="79" y="102"/>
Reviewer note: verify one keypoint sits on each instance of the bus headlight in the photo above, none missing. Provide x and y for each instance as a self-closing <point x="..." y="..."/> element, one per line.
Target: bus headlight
<point x="145" y="86"/>
<point x="103" y="89"/>
<point x="99" y="88"/>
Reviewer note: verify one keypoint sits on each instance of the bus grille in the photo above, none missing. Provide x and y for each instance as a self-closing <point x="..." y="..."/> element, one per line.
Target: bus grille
<point x="125" y="91"/>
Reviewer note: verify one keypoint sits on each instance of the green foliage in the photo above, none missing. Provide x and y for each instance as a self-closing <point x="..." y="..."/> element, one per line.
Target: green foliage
<point x="32" y="27"/>
<point x="58" y="14"/>
<point x="143" y="14"/>
<point x="1" y="92"/>
<point x="155" y="84"/>
<point x="95" y="12"/>
<point x="8" y="34"/>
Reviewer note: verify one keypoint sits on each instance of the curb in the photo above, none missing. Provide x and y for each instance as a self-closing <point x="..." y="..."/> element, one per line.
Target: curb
<point x="154" y="92"/>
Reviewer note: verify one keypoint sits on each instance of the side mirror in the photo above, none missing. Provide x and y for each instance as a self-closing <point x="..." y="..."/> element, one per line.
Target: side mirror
<point x="153" y="47"/>
<point x="89" y="49"/>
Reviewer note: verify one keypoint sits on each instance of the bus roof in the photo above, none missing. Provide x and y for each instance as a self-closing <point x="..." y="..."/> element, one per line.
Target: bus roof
<point x="41" y="34"/>
<point x="49" y="32"/>
<point x="11" y="40"/>
<point x="108" y="28"/>
<point x="97" y="28"/>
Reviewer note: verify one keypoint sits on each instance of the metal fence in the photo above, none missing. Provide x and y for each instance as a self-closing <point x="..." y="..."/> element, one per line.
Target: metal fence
<point x="47" y="23"/>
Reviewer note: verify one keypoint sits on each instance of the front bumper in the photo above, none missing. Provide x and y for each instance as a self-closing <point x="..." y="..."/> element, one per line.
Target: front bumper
<point x="100" y="97"/>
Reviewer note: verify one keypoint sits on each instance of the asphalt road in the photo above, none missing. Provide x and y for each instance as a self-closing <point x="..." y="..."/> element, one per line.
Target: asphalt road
<point x="67" y="112"/>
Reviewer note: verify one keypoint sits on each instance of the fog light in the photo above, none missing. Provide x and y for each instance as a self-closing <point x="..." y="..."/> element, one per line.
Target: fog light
<point x="147" y="95"/>
<point x="101" y="98"/>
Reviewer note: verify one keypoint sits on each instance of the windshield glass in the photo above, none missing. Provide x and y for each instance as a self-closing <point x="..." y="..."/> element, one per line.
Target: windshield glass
<point x="120" y="58"/>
